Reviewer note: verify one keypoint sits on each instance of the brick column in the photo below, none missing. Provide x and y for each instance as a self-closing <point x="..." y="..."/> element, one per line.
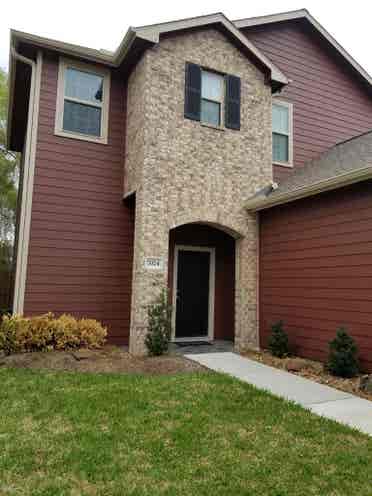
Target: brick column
<point x="246" y="287"/>
<point x="151" y="239"/>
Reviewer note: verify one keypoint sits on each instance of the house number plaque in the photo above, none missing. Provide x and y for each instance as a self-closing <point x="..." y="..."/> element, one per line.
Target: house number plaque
<point x="154" y="263"/>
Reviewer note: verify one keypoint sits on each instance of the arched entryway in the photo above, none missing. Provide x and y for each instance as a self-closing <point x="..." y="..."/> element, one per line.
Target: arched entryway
<point x="201" y="279"/>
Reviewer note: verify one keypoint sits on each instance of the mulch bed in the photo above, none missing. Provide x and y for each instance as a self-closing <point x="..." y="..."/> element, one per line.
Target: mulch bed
<point x="310" y="369"/>
<point x="110" y="359"/>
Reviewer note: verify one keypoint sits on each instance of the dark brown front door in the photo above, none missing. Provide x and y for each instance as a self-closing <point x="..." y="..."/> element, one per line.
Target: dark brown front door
<point x="192" y="304"/>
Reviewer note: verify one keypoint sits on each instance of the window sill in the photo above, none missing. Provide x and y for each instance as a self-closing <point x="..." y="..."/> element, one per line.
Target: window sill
<point x="82" y="137"/>
<point x="211" y="126"/>
<point x="284" y="164"/>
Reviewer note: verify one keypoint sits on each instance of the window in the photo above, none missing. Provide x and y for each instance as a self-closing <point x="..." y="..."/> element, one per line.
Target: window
<point x="82" y="101"/>
<point x="207" y="93"/>
<point x="282" y="133"/>
<point x="211" y="98"/>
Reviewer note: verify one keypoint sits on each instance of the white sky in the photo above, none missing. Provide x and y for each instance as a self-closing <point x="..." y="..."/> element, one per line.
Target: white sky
<point x="102" y="24"/>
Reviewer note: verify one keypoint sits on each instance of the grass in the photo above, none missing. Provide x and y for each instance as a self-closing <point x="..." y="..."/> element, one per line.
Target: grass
<point x="192" y="434"/>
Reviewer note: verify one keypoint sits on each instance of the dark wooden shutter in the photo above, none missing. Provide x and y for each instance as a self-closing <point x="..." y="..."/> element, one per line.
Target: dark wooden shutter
<point x="232" y="102"/>
<point x="192" y="91"/>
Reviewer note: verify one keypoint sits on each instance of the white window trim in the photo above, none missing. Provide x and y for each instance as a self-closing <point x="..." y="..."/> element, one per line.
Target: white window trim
<point x="221" y="102"/>
<point x="82" y="66"/>
<point x="212" y="278"/>
<point x="289" y="106"/>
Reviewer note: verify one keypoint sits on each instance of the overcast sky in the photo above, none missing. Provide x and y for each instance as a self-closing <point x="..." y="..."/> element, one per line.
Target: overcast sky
<point x="102" y="24"/>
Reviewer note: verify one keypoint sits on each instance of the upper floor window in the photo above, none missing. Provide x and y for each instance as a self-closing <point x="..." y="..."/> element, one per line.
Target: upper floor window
<point x="212" y="86"/>
<point x="282" y="130"/>
<point x="212" y="98"/>
<point x="82" y="101"/>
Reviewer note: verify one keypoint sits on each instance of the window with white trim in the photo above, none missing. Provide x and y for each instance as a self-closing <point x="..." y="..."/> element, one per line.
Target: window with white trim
<point x="82" y="101"/>
<point x="212" y="90"/>
<point x="282" y="134"/>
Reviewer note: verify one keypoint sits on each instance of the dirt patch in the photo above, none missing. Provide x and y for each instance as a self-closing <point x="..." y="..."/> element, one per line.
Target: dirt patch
<point x="309" y="369"/>
<point x="109" y="359"/>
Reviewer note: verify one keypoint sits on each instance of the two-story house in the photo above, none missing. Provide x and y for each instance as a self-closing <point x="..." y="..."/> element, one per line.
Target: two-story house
<point x="203" y="155"/>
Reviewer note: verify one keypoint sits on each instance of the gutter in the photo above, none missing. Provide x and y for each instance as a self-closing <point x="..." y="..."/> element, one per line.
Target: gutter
<point x="331" y="183"/>
<point x="27" y="180"/>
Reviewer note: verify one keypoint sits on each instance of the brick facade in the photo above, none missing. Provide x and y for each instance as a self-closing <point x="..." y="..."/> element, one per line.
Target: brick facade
<point x="184" y="172"/>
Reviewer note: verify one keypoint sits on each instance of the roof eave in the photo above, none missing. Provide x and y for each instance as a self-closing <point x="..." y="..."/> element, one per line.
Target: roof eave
<point x="348" y="178"/>
<point x="60" y="46"/>
<point x="99" y="56"/>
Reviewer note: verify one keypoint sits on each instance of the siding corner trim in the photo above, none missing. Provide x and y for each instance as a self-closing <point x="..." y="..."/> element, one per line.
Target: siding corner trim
<point x="28" y="182"/>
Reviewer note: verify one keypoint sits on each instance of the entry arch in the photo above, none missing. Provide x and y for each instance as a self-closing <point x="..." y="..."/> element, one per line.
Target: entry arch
<point x="220" y="242"/>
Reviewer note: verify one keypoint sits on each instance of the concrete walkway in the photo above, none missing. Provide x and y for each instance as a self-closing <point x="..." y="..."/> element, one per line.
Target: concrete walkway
<point x="322" y="400"/>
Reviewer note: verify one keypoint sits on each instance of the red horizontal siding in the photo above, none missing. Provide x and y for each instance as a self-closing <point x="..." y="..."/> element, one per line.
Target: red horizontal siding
<point x="330" y="105"/>
<point x="81" y="243"/>
<point x="316" y="270"/>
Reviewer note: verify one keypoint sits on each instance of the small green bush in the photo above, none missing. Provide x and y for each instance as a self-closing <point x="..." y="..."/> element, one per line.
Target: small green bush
<point x="343" y="355"/>
<point x="46" y="332"/>
<point x="278" y="341"/>
<point x="159" y="315"/>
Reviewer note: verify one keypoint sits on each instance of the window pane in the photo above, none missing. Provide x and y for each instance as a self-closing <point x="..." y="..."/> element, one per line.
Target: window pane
<point x="280" y="148"/>
<point x="210" y="112"/>
<point x="83" y="85"/>
<point x="280" y="119"/>
<point x="83" y="119"/>
<point x="212" y="86"/>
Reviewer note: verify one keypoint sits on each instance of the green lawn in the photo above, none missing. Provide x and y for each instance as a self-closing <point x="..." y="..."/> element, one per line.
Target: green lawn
<point x="196" y="434"/>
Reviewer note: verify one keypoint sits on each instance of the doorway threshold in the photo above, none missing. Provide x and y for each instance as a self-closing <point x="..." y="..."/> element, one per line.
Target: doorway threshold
<point x="182" y="344"/>
<point x="215" y="346"/>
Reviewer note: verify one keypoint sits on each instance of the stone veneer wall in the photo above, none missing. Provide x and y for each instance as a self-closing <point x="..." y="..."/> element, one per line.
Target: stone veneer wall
<point x="185" y="172"/>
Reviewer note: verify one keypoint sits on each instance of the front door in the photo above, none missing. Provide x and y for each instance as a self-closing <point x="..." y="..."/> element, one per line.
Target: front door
<point x="193" y="303"/>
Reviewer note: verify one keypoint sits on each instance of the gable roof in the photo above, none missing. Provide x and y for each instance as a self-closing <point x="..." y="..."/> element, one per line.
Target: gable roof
<point x="305" y="15"/>
<point x="344" y="164"/>
<point x="144" y="36"/>
<point x="154" y="31"/>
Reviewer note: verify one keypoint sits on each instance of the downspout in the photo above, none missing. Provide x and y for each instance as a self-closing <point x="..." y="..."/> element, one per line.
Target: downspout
<point x="28" y="179"/>
<point x="258" y="281"/>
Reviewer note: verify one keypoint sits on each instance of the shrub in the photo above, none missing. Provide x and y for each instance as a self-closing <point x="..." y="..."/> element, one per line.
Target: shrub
<point x="37" y="333"/>
<point x="278" y="341"/>
<point x="46" y="332"/>
<point x="343" y="355"/>
<point x="159" y="325"/>
<point x="91" y="333"/>
<point x="66" y="333"/>
<point x="11" y="330"/>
